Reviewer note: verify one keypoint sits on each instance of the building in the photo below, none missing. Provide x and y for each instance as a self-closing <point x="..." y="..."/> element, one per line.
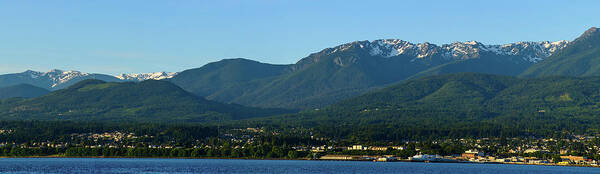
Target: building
<point x="397" y="147"/>
<point x="358" y="147"/>
<point x="378" y="148"/>
<point x="576" y="159"/>
<point x="337" y="157"/>
<point x="469" y="154"/>
<point x="503" y="160"/>
<point x="385" y="159"/>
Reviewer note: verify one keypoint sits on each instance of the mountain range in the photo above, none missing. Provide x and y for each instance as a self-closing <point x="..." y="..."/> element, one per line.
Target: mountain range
<point x="348" y="70"/>
<point x="351" y="69"/>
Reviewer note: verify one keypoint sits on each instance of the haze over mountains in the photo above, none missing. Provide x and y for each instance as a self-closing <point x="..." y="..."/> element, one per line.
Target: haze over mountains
<point x="351" y="69"/>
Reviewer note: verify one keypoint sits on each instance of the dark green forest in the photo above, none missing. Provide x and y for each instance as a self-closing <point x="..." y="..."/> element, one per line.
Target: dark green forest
<point x="147" y="101"/>
<point x="459" y="105"/>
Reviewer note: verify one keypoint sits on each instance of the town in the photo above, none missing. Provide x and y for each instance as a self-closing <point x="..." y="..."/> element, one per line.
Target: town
<point x="262" y="143"/>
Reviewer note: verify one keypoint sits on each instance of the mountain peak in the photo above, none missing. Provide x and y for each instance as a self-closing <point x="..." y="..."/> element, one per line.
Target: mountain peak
<point x="86" y="82"/>
<point x="56" y="70"/>
<point x="590" y="33"/>
<point x="30" y="71"/>
<point x="472" y="43"/>
<point x="580" y="58"/>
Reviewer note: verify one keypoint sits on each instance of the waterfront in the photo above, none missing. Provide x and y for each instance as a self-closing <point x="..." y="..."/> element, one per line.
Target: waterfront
<point x="136" y="165"/>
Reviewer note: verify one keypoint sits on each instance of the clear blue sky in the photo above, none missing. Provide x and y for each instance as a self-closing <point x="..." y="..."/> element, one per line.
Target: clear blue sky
<point x="145" y="36"/>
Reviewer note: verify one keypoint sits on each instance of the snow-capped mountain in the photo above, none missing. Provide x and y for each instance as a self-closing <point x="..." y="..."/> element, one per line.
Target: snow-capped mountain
<point x="146" y="76"/>
<point x="58" y="79"/>
<point x="51" y="80"/>
<point x="529" y="51"/>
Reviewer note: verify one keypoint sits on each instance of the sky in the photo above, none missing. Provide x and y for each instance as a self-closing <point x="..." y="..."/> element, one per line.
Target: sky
<point x="114" y="37"/>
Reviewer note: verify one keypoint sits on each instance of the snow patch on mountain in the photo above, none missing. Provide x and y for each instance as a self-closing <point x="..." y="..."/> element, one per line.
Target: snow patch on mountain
<point x="57" y="79"/>
<point x="56" y="76"/>
<point x="529" y="51"/>
<point x="146" y="76"/>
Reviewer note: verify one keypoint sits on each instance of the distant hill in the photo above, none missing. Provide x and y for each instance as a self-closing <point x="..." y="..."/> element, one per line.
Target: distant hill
<point x="580" y="58"/>
<point x="228" y="79"/>
<point x="22" y="91"/>
<point x="147" y="101"/>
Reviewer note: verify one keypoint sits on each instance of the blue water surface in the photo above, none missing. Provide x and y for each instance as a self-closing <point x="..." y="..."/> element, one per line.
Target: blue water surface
<point x="124" y="165"/>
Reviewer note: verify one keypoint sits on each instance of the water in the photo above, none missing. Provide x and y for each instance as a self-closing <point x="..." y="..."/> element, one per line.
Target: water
<point x="109" y="165"/>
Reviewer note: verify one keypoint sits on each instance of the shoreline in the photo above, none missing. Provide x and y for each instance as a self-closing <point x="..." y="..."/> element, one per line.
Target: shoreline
<point x="298" y="159"/>
<point x="117" y="157"/>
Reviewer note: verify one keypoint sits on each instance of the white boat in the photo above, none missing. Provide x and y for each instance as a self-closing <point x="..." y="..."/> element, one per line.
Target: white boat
<point x="429" y="158"/>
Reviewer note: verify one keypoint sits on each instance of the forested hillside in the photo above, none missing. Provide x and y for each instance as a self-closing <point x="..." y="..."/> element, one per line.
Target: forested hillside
<point x="147" y="101"/>
<point x="22" y="90"/>
<point x="463" y="104"/>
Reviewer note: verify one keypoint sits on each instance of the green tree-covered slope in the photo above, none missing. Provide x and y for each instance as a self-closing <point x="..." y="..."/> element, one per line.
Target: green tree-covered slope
<point x="463" y="104"/>
<point x="147" y="101"/>
<point x="227" y="79"/>
<point x="22" y="90"/>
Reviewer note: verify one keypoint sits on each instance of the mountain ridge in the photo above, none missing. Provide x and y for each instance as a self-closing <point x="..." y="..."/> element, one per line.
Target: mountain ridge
<point x="533" y="51"/>
<point x="580" y="58"/>
<point x="346" y="70"/>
